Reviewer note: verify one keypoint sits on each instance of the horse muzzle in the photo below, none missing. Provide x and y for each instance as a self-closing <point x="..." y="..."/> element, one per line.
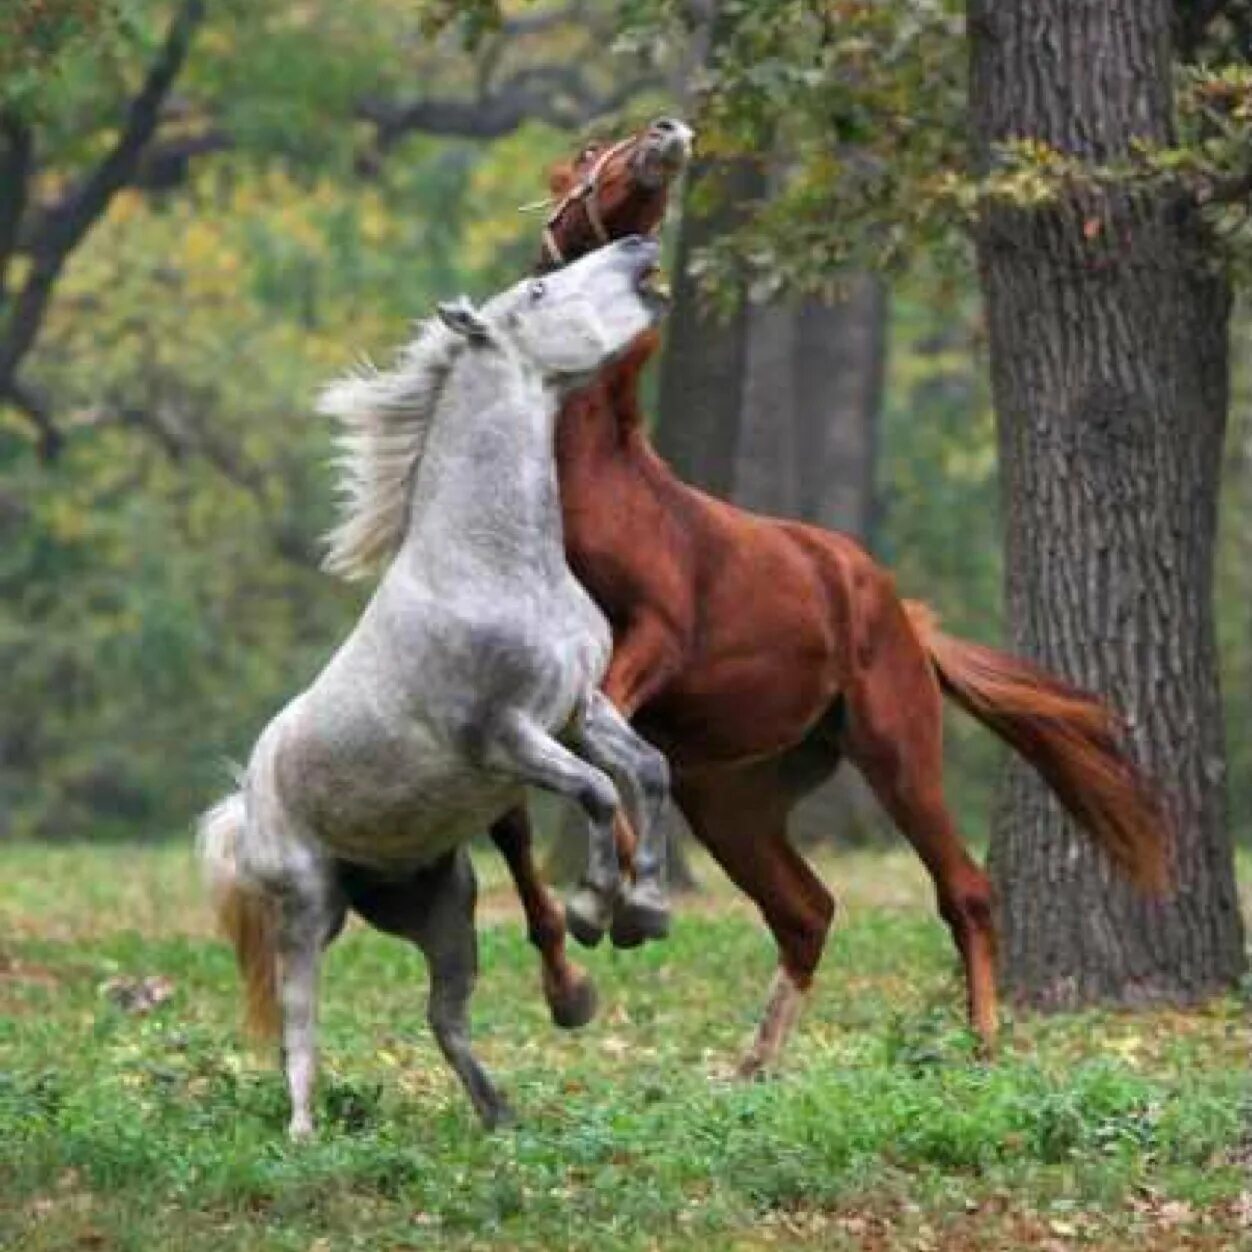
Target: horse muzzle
<point x="665" y="150"/>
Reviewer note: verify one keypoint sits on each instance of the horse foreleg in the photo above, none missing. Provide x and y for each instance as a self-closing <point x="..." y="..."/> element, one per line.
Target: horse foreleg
<point x="524" y="749"/>
<point x="647" y="654"/>
<point x="741" y="817"/>
<point x="569" y="991"/>
<point x="642" y="774"/>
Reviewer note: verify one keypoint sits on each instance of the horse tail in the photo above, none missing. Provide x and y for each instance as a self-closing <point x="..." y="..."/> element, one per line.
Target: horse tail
<point x="1073" y="739"/>
<point x="245" y="915"/>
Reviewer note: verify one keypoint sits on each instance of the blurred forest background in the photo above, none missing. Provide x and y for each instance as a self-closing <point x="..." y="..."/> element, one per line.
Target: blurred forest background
<point x="206" y="211"/>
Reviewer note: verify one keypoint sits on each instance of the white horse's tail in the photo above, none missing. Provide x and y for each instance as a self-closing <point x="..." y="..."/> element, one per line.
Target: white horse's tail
<point x="245" y="915"/>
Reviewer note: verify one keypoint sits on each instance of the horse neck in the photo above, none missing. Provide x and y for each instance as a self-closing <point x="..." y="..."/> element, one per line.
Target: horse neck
<point x="486" y="490"/>
<point x="602" y="424"/>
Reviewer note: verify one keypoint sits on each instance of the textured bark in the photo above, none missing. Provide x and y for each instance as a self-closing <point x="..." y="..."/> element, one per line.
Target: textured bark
<point x="1108" y="317"/>
<point x="808" y="410"/>
<point x="702" y="367"/>
<point x="841" y="355"/>
<point x="807" y="448"/>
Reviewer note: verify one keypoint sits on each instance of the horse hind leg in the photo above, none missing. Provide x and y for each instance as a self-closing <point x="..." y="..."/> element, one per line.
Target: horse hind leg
<point x="741" y="817"/>
<point x="568" y="989"/>
<point x="642" y="775"/>
<point x="450" y="943"/>
<point x="434" y="909"/>
<point x="310" y="915"/>
<point x="895" y="738"/>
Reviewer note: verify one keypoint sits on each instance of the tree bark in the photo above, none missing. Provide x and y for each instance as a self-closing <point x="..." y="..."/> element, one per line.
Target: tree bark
<point x="702" y="367"/>
<point x="1108" y="313"/>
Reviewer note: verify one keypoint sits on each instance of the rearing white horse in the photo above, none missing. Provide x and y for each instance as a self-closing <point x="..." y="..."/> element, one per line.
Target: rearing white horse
<point x="473" y="672"/>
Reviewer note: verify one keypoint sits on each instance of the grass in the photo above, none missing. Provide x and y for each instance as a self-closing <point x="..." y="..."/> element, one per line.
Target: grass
<point x="124" y="1130"/>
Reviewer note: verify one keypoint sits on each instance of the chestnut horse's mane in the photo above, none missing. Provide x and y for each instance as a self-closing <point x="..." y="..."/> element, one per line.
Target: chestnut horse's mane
<point x="384" y="417"/>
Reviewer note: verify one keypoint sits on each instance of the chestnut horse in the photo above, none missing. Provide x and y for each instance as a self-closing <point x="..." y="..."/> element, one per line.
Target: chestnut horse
<point x="757" y="653"/>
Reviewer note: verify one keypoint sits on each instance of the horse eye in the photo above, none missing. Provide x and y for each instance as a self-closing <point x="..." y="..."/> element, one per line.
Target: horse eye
<point x="537" y="290"/>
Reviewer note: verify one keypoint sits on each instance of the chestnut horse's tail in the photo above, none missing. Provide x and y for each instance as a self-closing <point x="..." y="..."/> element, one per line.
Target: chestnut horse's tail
<point x="1071" y="737"/>
<point x="246" y="917"/>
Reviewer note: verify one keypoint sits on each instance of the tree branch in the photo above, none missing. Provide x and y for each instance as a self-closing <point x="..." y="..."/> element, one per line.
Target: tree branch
<point x="49" y="439"/>
<point x="64" y="231"/>
<point x="557" y="95"/>
<point x="163" y="165"/>
<point x="14" y="181"/>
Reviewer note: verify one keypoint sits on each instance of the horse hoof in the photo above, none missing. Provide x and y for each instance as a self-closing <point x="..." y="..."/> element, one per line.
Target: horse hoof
<point x="638" y="918"/>
<point x="752" y="1068"/>
<point x="576" y="1005"/>
<point x="587" y="916"/>
<point x="498" y="1116"/>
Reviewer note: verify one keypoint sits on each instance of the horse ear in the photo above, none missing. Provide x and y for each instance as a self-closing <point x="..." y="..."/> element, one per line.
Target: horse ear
<point x="560" y="178"/>
<point x="461" y="317"/>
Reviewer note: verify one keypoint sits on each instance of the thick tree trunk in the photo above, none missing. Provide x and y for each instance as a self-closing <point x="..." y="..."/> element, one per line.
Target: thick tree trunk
<point x="807" y="440"/>
<point x="807" y="449"/>
<point x="841" y="357"/>
<point x="702" y="367"/>
<point x="1108" y="316"/>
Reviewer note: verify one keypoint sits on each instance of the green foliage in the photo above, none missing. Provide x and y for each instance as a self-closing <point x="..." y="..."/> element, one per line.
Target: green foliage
<point x="158" y="592"/>
<point x="159" y="597"/>
<point x="859" y="108"/>
<point x="158" y="1130"/>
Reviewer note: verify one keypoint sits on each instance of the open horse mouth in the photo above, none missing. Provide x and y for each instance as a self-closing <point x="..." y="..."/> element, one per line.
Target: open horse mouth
<point x="663" y="151"/>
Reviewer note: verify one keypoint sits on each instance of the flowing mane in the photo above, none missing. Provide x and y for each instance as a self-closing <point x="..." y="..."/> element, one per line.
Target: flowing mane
<point x="384" y="417"/>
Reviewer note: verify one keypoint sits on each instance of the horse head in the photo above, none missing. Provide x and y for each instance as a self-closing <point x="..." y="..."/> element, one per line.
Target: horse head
<point x="570" y="322"/>
<point x="610" y="191"/>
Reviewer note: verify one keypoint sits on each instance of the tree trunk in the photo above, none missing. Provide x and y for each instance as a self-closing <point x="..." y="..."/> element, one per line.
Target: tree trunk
<point x="702" y="367"/>
<point x="806" y="442"/>
<point x="1108" y="315"/>
<point x="841" y="355"/>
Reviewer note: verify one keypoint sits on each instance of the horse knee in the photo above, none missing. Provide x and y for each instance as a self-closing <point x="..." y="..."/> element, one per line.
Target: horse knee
<point x="598" y="798"/>
<point x="654" y="775"/>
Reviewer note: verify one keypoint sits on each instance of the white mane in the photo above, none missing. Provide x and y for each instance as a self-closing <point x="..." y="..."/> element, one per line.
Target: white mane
<point x="384" y="416"/>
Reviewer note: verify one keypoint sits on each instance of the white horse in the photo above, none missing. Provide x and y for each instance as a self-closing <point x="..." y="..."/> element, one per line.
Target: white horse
<point x="473" y="672"/>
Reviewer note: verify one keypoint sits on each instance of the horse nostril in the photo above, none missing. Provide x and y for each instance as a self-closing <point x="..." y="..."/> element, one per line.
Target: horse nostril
<point x="632" y="241"/>
<point x="665" y="124"/>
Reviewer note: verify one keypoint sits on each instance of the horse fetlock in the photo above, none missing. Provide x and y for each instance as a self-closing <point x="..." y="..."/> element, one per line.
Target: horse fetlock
<point x="497" y="1115"/>
<point x="642" y="914"/>
<point x="588" y="913"/>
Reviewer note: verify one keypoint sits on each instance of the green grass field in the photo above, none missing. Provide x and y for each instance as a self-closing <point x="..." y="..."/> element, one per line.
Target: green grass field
<point x="159" y="1130"/>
